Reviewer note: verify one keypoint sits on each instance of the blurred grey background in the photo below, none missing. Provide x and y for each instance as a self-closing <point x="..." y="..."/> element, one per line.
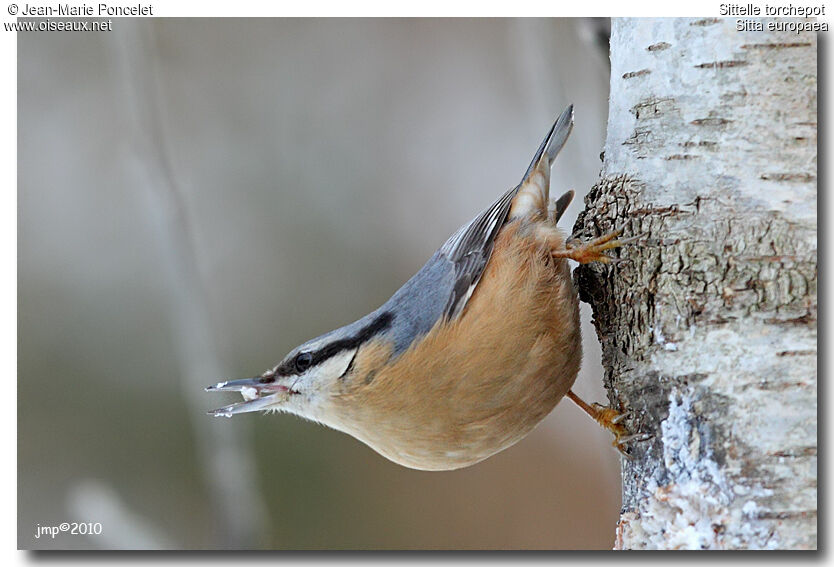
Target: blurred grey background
<point x="196" y="197"/>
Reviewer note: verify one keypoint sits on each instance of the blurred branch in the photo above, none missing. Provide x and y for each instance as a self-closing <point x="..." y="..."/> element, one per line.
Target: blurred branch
<point x="121" y="528"/>
<point x="227" y="457"/>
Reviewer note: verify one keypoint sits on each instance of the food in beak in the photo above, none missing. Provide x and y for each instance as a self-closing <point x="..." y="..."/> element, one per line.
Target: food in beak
<point x="257" y="395"/>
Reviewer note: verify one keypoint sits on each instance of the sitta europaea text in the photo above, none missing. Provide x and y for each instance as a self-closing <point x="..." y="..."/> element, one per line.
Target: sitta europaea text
<point x="469" y="355"/>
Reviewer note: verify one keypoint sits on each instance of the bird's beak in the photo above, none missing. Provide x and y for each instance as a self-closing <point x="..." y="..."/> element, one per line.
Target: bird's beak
<point x="257" y="395"/>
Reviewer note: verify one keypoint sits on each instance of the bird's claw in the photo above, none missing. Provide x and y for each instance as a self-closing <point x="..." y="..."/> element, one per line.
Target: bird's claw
<point x="618" y="418"/>
<point x="593" y="250"/>
<point x="634" y="437"/>
<point x="612" y="420"/>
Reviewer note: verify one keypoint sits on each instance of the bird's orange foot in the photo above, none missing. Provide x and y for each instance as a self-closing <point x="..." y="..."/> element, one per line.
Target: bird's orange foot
<point x="612" y="420"/>
<point x="593" y="251"/>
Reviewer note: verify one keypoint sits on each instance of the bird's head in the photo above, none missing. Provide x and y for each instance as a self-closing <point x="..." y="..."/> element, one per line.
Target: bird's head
<point x="307" y="380"/>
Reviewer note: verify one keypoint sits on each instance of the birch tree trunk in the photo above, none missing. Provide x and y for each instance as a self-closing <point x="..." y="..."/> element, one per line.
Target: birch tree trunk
<point x="708" y="325"/>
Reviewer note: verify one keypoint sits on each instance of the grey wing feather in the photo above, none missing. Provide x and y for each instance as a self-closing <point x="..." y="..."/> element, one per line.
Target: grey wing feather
<point x="470" y="247"/>
<point x="469" y="250"/>
<point x="553" y="142"/>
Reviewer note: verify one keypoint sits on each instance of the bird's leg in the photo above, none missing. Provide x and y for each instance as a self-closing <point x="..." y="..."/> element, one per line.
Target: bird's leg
<point x="592" y="251"/>
<point x="610" y="419"/>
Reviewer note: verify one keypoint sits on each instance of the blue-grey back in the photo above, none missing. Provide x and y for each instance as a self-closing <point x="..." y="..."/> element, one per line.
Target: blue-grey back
<point x="445" y="283"/>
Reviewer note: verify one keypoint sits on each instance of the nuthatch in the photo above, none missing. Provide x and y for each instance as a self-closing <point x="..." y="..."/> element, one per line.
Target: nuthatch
<point x="469" y="355"/>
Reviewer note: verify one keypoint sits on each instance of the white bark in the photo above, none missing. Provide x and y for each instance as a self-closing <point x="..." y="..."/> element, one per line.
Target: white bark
<point x="708" y="327"/>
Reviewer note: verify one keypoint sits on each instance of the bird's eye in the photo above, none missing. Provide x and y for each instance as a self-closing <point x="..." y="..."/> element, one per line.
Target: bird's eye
<point x="303" y="361"/>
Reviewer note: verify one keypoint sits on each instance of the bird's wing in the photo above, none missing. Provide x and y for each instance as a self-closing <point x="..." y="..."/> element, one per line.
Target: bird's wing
<point x="470" y="247"/>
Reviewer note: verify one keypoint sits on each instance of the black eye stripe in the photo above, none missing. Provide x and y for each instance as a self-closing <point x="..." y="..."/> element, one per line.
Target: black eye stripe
<point x="381" y="323"/>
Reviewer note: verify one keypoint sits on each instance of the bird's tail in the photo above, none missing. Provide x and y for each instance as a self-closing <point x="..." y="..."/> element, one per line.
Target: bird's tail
<point x="534" y="189"/>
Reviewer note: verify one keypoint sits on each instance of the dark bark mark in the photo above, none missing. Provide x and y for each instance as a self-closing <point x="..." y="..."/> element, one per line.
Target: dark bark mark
<point x="799" y="453"/>
<point x="705" y="22"/>
<point x="722" y="64"/>
<point x="632" y="74"/>
<point x="796" y="353"/>
<point x="789" y="177"/>
<point x="806" y="319"/>
<point x="659" y="46"/>
<point x="710" y="122"/>
<point x="701" y="144"/>
<point x="787" y="514"/>
<point x="660" y="211"/>
<point x="774" y="45"/>
<point x="653" y="106"/>
<point x="639" y="137"/>
<point x="779" y="386"/>
<point x="779" y="259"/>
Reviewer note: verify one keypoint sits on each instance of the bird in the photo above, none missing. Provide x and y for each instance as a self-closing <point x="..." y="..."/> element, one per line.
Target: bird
<point x="470" y="354"/>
